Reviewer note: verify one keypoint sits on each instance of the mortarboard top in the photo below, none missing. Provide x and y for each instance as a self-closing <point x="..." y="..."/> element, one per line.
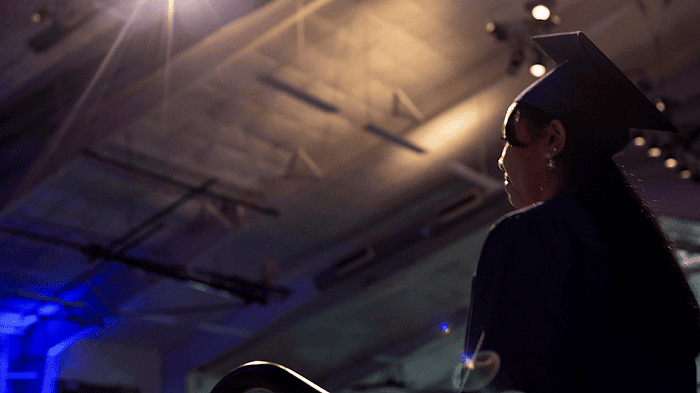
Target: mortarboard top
<point x="587" y="91"/>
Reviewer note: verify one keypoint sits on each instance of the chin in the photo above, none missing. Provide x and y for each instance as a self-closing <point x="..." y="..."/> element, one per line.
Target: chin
<point x="515" y="202"/>
<point x="512" y="201"/>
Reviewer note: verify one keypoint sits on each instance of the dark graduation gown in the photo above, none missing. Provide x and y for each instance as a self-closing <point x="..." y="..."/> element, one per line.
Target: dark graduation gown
<point x="540" y="297"/>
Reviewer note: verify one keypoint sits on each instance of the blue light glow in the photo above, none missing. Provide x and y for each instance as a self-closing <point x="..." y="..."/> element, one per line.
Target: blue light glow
<point x="108" y="322"/>
<point x="51" y="373"/>
<point x="23" y="375"/>
<point x="61" y="346"/>
<point x="17" y="320"/>
<point x="51" y="366"/>
<point x="76" y="293"/>
<point x="444" y="327"/>
<point x="48" y="309"/>
<point x="463" y="358"/>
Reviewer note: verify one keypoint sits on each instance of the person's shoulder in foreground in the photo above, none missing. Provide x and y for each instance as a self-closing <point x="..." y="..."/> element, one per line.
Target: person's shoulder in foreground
<point x="555" y="217"/>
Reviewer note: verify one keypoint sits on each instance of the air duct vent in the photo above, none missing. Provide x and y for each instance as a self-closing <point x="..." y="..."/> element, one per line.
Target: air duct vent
<point x="463" y="205"/>
<point x="346" y="266"/>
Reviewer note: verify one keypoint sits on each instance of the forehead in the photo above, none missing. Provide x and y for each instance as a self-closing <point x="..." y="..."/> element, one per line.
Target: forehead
<point x="507" y="119"/>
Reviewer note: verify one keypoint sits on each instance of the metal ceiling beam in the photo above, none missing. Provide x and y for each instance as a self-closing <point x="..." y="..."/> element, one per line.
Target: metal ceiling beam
<point x="385" y="134"/>
<point x="278" y="84"/>
<point x="169" y="180"/>
<point x="271" y="34"/>
<point x="161" y="214"/>
<point x="248" y="290"/>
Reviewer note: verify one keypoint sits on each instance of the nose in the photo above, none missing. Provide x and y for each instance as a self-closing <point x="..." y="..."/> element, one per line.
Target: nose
<point x="500" y="160"/>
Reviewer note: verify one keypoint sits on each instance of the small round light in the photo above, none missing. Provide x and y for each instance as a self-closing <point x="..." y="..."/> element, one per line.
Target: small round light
<point x="670" y="163"/>
<point x="654" y="152"/>
<point x="537" y="70"/>
<point x="640" y="141"/>
<point x="660" y="105"/>
<point x="490" y="27"/>
<point x="685" y="174"/>
<point x="445" y="327"/>
<point x="36" y="17"/>
<point x="540" y="12"/>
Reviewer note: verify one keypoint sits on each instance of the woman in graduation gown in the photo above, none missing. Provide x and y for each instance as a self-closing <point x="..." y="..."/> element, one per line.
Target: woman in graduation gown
<point x="579" y="289"/>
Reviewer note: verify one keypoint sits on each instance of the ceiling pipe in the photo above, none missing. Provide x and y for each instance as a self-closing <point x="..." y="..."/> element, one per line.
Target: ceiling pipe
<point x="278" y="84"/>
<point x="386" y="135"/>
<point x="271" y="34"/>
<point x="250" y="291"/>
<point x="177" y="183"/>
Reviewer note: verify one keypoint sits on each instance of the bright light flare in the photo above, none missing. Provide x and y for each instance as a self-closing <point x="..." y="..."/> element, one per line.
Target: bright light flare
<point x="171" y="12"/>
<point x="537" y="70"/>
<point x="670" y="163"/>
<point x="541" y="12"/>
<point x="640" y="141"/>
<point x="191" y="9"/>
<point x="685" y="174"/>
<point x="654" y="152"/>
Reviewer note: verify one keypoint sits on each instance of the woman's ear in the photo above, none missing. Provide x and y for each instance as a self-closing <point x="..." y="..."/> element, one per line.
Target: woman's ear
<point x="556" y="137"/>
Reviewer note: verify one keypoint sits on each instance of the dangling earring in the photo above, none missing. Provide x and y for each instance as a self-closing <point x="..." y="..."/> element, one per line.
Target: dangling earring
<point x="550" y="162"/>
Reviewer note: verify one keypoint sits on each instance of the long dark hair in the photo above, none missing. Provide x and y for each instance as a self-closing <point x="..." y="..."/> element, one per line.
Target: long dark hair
<point x="649" y="292"/>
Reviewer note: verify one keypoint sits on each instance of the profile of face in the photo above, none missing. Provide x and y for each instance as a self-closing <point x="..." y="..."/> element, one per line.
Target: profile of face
<point x="527" y="177"/>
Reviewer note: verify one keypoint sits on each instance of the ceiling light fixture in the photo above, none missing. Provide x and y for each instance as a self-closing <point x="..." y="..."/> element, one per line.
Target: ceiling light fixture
<point x="660" y="104"/>
<point x="518" y="34"/>
<point x="654" y="152"/>
<point x="497" y="30"/>
<point x="40" y="15"/>
<point x="670" y="163"/>
<point x="541" y="12"/>
<point x="537" y="69"/>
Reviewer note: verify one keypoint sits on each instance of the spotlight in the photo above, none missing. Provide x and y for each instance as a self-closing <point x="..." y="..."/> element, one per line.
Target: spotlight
<point x="537" y="69"/>
<point x="685" y="174"/>
<point x="660" y="104"/>
<point x="670" y="163"/>
<point x="654" y="152"/>
<point x="540" y="12"/>
<point x="639" y="141"/>
<point x="40" y="15"/>
<point x="497" y="30"/>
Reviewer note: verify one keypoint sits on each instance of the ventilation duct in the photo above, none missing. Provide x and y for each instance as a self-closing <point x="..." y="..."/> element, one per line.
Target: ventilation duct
<point x="345" y="267"/>
<point x="467" y="202"/>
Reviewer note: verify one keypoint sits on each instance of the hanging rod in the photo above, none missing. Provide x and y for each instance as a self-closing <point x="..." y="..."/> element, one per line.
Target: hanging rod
<point x="169" y="180"/>
<point x="250" y="291"/>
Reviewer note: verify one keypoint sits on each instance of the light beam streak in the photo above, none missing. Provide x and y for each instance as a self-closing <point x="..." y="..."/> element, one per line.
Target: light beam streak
<point x="60" y="134"/>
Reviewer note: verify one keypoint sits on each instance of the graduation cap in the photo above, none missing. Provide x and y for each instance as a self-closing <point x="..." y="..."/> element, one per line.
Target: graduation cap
<point x="588" y="92"/>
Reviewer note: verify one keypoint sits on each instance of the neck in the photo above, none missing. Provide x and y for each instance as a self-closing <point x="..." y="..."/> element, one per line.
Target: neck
<point x="557" y="183"/>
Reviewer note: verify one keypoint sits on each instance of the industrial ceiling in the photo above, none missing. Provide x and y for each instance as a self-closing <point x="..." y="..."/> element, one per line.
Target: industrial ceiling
<point x="300" y="181"/>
